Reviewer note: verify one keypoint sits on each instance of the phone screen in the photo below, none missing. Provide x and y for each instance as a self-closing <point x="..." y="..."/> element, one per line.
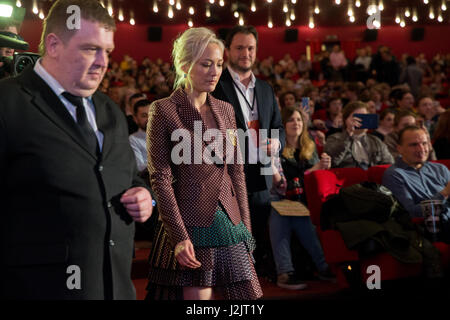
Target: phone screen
<point x="305" y="104"/>
<point x="369" y="121"/>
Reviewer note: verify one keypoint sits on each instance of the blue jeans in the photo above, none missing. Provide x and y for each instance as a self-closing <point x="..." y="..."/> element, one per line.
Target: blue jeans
<point x="281" y="228"/>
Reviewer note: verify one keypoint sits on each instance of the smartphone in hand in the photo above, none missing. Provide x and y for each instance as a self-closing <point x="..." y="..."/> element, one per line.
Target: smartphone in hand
<point x="369" y="121"/>
<point x="305" y="104"/>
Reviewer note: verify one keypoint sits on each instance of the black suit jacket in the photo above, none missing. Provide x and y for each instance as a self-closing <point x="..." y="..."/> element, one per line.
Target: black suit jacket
<point x="269" y="118"/>
<point x="60" y="203"/>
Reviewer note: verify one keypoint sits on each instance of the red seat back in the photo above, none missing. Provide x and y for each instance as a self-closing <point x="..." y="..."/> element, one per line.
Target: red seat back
<point x="375" y="174"/>
<point x="445" y="162"/>
<point x="321" y="184"/>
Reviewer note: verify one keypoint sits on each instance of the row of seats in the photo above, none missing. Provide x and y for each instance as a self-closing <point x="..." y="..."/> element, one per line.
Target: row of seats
<point x="320" y="185"/>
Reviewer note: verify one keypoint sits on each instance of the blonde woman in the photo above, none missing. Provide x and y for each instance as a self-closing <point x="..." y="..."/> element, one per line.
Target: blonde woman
<point x="203" y="248"/>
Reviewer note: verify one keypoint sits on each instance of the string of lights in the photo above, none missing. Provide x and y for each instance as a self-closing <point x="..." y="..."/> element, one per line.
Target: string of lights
<point x="356" y="11"/>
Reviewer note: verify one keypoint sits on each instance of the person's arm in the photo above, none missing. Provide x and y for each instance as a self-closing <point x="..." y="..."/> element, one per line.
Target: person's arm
<point x="446" y="191"/>
<point x="159" y="160"/>
<point x="323" y="164"/>
<point x="339" y="148"/>
<point x="386" y="156"/>
<point x="140" y="159"/>
<point x="397" y="184"/>
<point x="279" y="181"/>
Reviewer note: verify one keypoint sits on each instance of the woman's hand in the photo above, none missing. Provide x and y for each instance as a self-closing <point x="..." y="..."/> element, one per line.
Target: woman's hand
<point x="185" y="255"/>
<point x="325" y="161"/>
<point x="321" y="137"/>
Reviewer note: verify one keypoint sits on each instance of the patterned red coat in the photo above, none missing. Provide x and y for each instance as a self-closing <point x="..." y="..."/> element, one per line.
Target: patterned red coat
<point x="188" y="193"/>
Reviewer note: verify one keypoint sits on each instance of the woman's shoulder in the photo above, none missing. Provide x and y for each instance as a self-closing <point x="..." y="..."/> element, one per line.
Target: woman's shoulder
<point x="164" y="105"/>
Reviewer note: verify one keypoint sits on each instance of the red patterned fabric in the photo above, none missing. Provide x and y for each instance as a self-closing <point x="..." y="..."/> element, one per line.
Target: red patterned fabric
<point x="188" y="193"/>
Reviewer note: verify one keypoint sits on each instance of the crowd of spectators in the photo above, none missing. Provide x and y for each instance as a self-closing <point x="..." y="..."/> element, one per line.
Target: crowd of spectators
<point x="331" y="81"/>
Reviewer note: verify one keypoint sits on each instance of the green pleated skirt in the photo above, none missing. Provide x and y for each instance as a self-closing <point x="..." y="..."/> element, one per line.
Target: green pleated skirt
<point x="225" y="253"/>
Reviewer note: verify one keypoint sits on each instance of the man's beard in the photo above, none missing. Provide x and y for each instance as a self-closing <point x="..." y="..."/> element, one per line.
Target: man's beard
<point x="238" y="68"/>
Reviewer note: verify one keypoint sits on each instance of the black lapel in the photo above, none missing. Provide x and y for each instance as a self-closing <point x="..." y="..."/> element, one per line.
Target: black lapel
<point x="105" y="121"/>
<point x="261" y="103"/>
<point x="50" y="105"/>
<point x="226" y="81"/>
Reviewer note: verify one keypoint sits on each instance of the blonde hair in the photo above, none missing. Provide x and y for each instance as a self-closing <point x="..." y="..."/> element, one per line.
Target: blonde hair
<point x="304" y="142"/>
<point x="187" y="50"/>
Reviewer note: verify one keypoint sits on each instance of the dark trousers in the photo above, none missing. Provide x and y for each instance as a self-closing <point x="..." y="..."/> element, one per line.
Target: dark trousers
<point x="259" y="203"/>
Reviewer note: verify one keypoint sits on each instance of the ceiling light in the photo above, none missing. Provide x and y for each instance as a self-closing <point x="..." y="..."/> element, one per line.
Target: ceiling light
<point x="311" y="22"/>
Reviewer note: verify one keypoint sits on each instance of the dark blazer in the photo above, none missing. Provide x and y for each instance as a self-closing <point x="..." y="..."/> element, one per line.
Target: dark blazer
<point x="188" y="193"/>
<point x="60" y="203"/>
<point x="269" y="118"/>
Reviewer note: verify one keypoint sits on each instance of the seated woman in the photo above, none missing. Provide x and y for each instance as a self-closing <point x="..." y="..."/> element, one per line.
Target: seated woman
<point x="299" y="157"/>
<point x="353" y="147"/>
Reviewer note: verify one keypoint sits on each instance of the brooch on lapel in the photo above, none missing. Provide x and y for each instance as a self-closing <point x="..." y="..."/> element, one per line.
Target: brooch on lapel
<point x="232" y="136"/>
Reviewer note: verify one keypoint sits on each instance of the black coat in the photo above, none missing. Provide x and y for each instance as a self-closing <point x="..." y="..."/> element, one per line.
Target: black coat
<point x="60" y="203"/>
<point x="268" y="116"/>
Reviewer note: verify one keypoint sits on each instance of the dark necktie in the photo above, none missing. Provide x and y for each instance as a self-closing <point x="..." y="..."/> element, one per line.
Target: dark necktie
<point x="83" y="122"/>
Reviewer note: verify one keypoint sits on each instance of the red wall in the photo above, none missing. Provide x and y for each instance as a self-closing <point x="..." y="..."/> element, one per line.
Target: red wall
<point x="133" y="40"/>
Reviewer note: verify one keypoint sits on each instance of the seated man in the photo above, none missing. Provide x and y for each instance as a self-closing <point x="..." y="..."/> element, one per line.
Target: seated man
<point x="138" y="139"/>
<point x="413" y="179"/>
<point x="403" y="119"/>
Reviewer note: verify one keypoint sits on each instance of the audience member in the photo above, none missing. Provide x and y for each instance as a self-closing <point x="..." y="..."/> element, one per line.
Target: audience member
<point x="298" y="158"/>
<point x="441" y="136"/>
<point x="138" y="139"/>
<point x="402" y="119"/>
<point x="426" y="109"/>
<point x="402" y="99"/>
<point x="353" y="147"/>
<point x="385" y="125"/>
<point x="255" y="107"/>
<point x="413" y="179"/>
<point x="412" y="75"/>
<point x="288" y="99"/>
<point x="130" y="112"/>
<point x="338" y="62"/>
